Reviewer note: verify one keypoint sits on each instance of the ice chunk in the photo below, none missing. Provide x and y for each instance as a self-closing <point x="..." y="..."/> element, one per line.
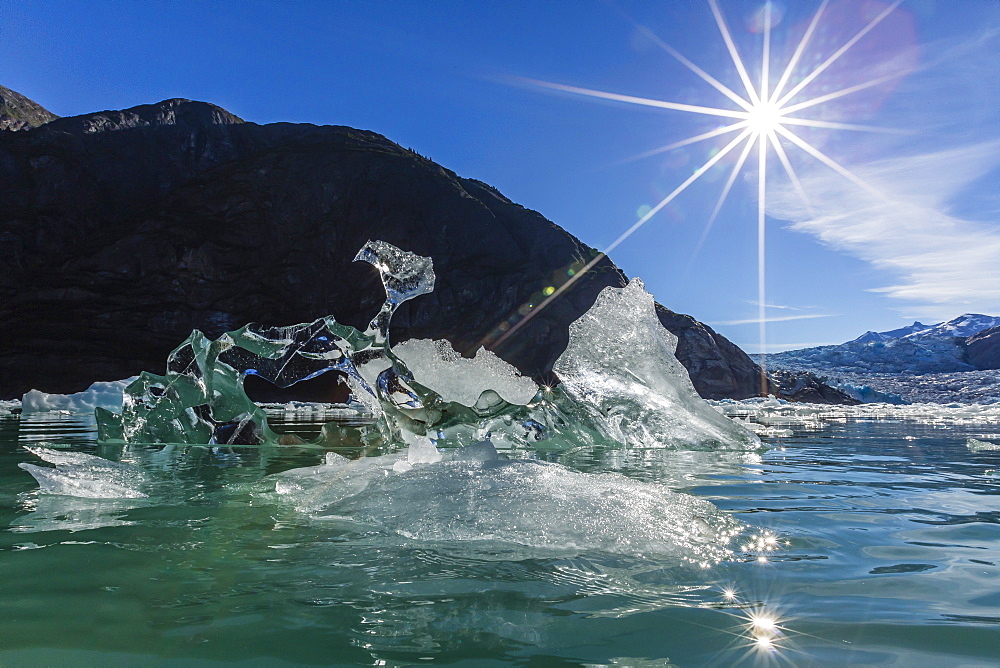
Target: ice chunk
<point x="536" y="505"/>
<point x="483" y="451"/>
<point x="405" y="275"/>
<point x="83" y="475"/>
<point x="103" y="394"/>
<point x="58" y="512"/>
<point x="621" y="384"/>
<point x="316" y="487"/>
<point x="201" y="399"/>
<point x="422" y="451"/>
<point x="620" y="360"/>
<point x="441" y="369"/>
<point x="975" y="445"/>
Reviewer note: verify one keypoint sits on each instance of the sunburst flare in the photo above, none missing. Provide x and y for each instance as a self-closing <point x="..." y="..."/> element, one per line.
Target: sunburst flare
<point x="765" y="116"/>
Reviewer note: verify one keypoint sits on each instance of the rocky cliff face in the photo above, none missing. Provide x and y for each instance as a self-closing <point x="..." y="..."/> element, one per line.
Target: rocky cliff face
<point x="983" y="349"/>
<point x="124" y="230"/>
<point x="19" y="113"/>
<point x="718" y="368"/>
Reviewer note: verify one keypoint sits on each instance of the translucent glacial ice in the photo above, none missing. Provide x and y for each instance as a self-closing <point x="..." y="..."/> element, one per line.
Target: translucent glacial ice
<point x="456" y="378"/>
<point x="82" y="475"/>
<point x="777" y="417"/>
<point x="102" y="394"/>
<point x="475" y="495"/>
<point x="620" y="360"/>
<point x="621" y="384"/>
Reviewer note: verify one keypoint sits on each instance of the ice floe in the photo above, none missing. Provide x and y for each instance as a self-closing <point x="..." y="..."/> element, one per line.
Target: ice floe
<point x="106" y="394"/>
<point x="476" y="495"/>
<point x="82" y="475"/>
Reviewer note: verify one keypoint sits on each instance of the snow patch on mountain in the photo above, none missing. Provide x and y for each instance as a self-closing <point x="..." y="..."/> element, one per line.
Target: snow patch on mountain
<point x="914" y="363"/>
<point x="870" y="336"/>
<point x="962" y="326"/>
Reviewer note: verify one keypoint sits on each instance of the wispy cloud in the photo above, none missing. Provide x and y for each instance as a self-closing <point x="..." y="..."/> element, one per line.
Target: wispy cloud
<point x="944" y="264"/>
<point x="754" y="347"/>
<point x="940" y="259"/>
<point x="778" y="306"/>
<point x="784" y="318"/>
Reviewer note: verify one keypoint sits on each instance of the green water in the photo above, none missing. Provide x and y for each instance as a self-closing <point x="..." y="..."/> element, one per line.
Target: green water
<point x="887" y="553"/>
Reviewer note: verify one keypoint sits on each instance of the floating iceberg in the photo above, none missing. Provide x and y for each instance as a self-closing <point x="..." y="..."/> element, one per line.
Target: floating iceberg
<point x="102" y="394"/>
<point x="620" y="362"/>
<point x="976" y="445"/>
<point x="621" y="384"/>
<point x="82" y="475"/>
<point x="476" y="496"/>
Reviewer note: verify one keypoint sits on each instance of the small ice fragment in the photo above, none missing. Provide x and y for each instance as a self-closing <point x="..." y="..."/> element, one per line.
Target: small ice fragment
<point x="64" y="457"/>
<point x="975" y="445"/>
<point x="333" y="459"/>
<point x="422" y="451"/>
<point x="402" y="467"/>
<point x="103" y="394"/>
<point x="87" y="476"/>
<point x="405" y="275"/>
<point x="439" y="367"/>
<point x="483" y="451"/>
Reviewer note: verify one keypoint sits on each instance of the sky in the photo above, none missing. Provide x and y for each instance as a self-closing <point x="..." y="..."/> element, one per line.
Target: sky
<point x="893" y="219"/>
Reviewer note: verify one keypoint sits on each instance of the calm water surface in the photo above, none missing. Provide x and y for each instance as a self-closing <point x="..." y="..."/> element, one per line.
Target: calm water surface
<point x="885" y="551"/>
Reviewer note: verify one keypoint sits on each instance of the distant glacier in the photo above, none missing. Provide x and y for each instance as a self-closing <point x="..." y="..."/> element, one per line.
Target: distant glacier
<point x="953" y="361"/>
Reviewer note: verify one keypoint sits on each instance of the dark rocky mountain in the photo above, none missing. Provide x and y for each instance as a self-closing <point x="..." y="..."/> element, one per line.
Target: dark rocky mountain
<point x="983" y="349"/>
<point x="124" y="230"/>
<point x="19" y="113"/>
<point x="808" y="387"/>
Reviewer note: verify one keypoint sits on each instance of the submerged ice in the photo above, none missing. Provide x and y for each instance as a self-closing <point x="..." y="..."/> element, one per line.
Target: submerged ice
<point x="82" y="475"/>
<point x="621" y="384"/>
<point x="475" y="495"/>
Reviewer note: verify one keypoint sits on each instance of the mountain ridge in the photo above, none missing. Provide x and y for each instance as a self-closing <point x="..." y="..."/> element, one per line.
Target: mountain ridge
<point x="19" y="113"/>
<point x="918" y="349"/>
<point x="137" y="226"/>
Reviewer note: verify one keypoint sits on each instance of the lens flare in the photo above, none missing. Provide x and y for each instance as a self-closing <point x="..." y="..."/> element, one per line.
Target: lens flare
<point x="764" y="118"/>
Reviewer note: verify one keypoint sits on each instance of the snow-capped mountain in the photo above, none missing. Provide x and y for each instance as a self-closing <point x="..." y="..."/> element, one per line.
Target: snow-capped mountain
<point x="964" y="325"/>
<point x="870" y="336"/>
<point x="916" y="349"/>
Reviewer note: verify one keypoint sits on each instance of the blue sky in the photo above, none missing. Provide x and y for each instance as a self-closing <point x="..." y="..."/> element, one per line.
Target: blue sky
<point x="911" y="231"/>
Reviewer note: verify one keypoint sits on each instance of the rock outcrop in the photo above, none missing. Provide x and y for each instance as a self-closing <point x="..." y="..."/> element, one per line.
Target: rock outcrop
<point x="983" y="349"/>
<point x="807" y="387"/>
<point x="124" y="230"/>
<point x="19" y="113"/>
<point x="718" y="368"/>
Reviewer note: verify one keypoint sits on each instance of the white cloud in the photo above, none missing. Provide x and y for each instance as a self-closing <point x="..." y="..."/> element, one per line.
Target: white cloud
<point x="943" y="264"/>
<point x="755" y="347"/>
<point x="784" y="318"/>
<point x="780" y="306"/>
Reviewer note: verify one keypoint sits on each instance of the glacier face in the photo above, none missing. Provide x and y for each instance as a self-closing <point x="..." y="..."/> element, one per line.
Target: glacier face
<point x="916" y="349"/>
<point x="621" y="384"/>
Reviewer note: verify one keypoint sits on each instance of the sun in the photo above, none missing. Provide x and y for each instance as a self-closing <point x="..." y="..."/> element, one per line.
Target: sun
<point x="763" y="118"/>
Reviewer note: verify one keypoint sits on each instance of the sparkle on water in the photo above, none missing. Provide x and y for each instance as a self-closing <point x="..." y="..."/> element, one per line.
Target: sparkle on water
<point x="765" y="115"/>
